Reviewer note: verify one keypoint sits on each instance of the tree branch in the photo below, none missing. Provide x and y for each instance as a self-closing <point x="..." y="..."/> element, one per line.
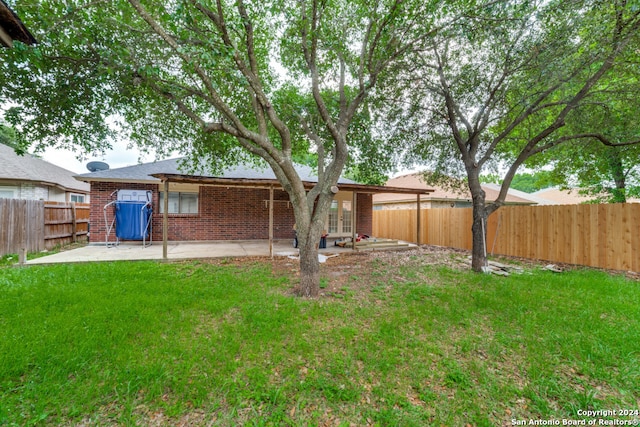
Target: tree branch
<point x="255" y="86"/>
<point x="217" y="100"/>
<point x="451" y="107"/>
<point x="597" y="136"/>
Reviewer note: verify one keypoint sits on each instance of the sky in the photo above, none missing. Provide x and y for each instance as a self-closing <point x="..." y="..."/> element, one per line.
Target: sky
<point x="119" y="156"/>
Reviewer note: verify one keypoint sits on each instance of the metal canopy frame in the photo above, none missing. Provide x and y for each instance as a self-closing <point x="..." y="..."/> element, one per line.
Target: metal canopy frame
<point x="147" y="229"/>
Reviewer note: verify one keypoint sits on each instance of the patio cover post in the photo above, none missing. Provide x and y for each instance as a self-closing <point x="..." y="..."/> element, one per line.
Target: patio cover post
<point x="271" y="221"/>
<point x="165" y="219"/>
<point x="418" y="223"/>
<point x="354" y="235"/>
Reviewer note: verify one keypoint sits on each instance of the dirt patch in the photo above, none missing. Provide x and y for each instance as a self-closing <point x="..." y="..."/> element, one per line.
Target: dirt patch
<point x="359" y="271"/>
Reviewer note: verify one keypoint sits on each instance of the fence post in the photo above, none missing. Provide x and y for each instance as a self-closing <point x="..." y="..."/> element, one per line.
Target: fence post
<point x="24" y="246"/>
<point x="74" y="226"/>
<point x="418" y="222"/>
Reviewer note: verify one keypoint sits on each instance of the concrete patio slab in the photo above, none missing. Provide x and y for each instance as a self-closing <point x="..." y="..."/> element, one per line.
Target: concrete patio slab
<point x="176" y="251"/>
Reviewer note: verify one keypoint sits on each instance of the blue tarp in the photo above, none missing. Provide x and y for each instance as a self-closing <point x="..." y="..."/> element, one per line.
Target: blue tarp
<point x="132" y="219"/>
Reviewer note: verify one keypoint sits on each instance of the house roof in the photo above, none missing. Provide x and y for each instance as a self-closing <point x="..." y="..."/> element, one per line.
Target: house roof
<point x="146" y="173"/>
<point x="12" y="28"/>
<point x="415" y="181"/>
<point x="513" y="195"/>
<point x="239" y="175"/>
<point x="31" y="168"/>
<point x="555" y="196"/>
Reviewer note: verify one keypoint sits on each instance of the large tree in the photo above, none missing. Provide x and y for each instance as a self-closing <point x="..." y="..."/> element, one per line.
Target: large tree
<point x="228" y="81"/>
<point x="610" y="173"/>
<point x="500" y="86"/>
<point x="8" y="138"/>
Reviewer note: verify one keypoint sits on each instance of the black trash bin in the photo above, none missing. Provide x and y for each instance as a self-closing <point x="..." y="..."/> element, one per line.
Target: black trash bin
<point x="322" y="245"/>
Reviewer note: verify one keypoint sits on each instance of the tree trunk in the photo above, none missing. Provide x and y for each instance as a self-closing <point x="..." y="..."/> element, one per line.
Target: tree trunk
<point x="309" y="285"/>
<point x="479" y="237"/>
<point x="618" y="194"/>
<point x="308" y="241"/>
<point x="478" y="228"/>
<point x="310" y="209"/>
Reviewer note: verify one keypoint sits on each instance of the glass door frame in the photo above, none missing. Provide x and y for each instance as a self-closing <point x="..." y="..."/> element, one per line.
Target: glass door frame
<point x="341" y="198"/>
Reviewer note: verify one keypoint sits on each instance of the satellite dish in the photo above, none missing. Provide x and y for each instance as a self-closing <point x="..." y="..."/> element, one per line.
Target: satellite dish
<point x="97" y="166"/>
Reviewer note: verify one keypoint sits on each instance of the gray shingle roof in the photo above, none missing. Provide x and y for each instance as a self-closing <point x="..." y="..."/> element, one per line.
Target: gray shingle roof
<point x="31" y="168"/>
<point x="143" y="172"/>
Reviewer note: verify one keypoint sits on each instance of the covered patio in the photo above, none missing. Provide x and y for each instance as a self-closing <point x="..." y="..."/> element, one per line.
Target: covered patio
<point x="351" y="189"/>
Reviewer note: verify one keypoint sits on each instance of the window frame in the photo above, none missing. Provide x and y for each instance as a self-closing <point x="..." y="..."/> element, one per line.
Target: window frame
<point x="76" y="195"/>
<point x="7" y="188"/>
<point x="180" y="202"/>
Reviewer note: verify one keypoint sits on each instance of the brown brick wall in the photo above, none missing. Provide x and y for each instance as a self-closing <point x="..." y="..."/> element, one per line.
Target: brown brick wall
<point x="224" y="214"/>
<point x="100" y="196"/>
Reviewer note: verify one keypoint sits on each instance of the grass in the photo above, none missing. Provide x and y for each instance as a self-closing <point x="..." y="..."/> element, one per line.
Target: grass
<point x="201" y="343"/>
<point x="9" y="260"/>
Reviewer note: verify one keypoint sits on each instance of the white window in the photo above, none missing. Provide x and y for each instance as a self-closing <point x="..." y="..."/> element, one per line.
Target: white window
<point x="78" y="198"/>
<point x="180" y="203"/>
<point x="8" y="193"/>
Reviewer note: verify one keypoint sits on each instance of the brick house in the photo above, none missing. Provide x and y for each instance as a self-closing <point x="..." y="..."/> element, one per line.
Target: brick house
<point x="232" y="206"/>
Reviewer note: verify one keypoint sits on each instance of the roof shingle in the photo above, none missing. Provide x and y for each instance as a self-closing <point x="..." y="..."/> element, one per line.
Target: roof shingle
<point x="143" y="172"/>
<point x="31" y="168"/>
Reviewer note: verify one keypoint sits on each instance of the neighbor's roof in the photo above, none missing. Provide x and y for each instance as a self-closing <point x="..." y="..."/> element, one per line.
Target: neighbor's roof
<point x="415" y="181"/>
<point x="31" y="168"/>
<point x="513" y="195"/>
<point x="12" y="28"/>
<point x="555" y="196"/>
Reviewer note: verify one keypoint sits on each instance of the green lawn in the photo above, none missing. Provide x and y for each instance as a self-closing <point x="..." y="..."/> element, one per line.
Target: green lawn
<point x="394" y="341"/>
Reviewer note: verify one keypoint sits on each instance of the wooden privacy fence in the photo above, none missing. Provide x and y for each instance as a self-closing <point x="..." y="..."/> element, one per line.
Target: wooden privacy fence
<point x="21" y="225"/>
<point x="36" y="225"/>
<point x="604" y="236"/>
<point x="65" y="223"/>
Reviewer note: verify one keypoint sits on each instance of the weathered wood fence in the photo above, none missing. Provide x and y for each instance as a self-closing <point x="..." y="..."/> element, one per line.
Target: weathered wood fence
<point x="36" y="225"/>
<point x="604" y="236"/>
